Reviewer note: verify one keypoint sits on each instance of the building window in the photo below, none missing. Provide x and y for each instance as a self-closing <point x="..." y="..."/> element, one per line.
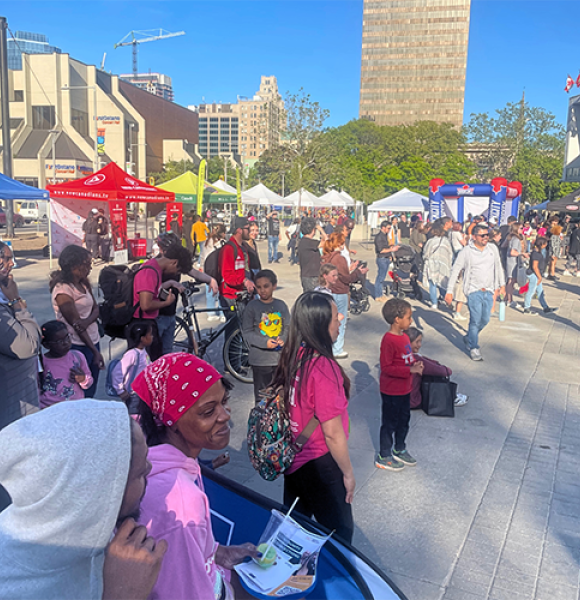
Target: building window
<point x="213" y="120"/>
<point x="14" y="123"/>
<point x="18" y="96"/>
<point x="80" y="121"/>
<point x="43" y="117"/>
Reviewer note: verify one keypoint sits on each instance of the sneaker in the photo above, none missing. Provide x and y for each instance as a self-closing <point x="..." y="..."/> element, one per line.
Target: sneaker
<point x="460" y="400"/>
<point x="459" y="317"/>
<point x="223" y="319"/>
<point x="214" y="318"/>
<point x="577" y="273"/>
<point x="388" y="463"/>
<point x="529" y="311"/>
<point x="404" y="457"/>
<point x="513" y="304"/>
<point x="550" y="310"/>
<point x="434" y="306"/>
<point x="466" y="343"/>
<point x="475" y="354"/>
<point x="567" y="273"/>
<point x="381" y="299"/>
<point x="341" y="355"/>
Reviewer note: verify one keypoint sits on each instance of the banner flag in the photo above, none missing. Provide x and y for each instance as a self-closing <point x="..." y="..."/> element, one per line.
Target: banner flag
<point x="239" y="192"/>
<point x="118" y="220"/>
<point x="200" y="186"/>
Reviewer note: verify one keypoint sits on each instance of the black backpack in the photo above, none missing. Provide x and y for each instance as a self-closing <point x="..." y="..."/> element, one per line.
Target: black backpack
<point x="211" y="266"/>
<point x="117" y="309"/>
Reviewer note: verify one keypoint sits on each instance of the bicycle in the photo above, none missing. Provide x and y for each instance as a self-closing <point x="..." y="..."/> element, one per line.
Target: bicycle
<point x="189" y="338"/>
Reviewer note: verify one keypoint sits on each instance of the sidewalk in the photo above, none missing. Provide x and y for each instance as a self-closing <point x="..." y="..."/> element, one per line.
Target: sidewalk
<point x="492" y="511"/>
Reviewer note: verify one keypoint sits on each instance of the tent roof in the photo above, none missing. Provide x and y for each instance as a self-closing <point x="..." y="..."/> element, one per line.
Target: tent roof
<point x="403" y="200"/>
<point x="10" y="189"/>
<point x="336" y="199"/>
<point x="347" y="195"/>
<point x="226" y="187"/>
<point x="110" y="183"/>
<point x="308" y="199"/>
<point x="260" y="194"/>
<point x="187" y="184"/>
<point x="569" y="203"/>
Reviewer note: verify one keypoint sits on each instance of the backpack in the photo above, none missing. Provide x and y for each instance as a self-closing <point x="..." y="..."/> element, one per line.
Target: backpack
<point x="211" y="266"/>
<point x="113" y="364"/>
<point x="270" y="445"/>
<point x="116" y="284"/>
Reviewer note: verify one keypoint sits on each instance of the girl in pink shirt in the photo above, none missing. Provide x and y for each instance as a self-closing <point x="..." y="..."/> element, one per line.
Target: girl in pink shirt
<point x="65" y="373"/>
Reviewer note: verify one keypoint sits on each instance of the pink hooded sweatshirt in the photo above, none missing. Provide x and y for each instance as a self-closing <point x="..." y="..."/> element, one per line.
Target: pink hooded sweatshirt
<point x="175" y="508"/>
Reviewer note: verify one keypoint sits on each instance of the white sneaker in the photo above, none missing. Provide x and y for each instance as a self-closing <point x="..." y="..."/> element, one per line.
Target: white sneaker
<point x="460" y="400"/>
<point x="434" y="306"/>
<point x="475" y="354"/>
<point x="342" y="354"/>
<point x="514" y="304"/>
<point x="566" y="273"/>
<point x="459" y="317"/>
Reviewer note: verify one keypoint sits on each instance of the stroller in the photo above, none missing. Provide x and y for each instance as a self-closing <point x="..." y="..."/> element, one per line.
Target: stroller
<point x="359" y="298"/>
<point x="406" y="268"/>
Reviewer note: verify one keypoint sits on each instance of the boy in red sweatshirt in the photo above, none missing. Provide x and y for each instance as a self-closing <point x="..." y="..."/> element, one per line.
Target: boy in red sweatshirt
<point x="397" y="365"/>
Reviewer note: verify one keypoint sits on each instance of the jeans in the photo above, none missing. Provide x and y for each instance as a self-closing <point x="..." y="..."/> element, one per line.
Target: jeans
<point x="342" y="306"/>
<point x="273" y="241"/>
<point x="395" y="417"/>
<point x="200" y="247"/>
<point x="382" y="270"/>
<point x="534" y="287"/>
<point x="320" y="486"/>
<point x="479" y="304"/>
<point x="211" y="301"/>
<point x="433" y="293"/>
<point x="573" y="262"/>
<point x="166" y="328"/>
<point x="94" y="369"/>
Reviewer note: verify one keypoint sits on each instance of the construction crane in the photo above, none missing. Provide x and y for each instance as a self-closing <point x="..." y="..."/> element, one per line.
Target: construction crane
<point x="139" y="37"/>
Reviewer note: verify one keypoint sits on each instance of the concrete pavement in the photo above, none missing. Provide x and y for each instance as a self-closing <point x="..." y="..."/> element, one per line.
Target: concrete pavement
<point x="492" y="511"/>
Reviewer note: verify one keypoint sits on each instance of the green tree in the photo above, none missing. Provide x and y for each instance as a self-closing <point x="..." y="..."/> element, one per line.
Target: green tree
<point x="173" y="169"/>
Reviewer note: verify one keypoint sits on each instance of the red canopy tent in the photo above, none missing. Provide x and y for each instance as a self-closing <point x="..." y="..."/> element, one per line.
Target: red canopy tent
<point x="110" y="188"/>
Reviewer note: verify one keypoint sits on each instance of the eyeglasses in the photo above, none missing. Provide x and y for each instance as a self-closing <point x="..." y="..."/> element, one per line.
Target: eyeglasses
<point x="482" y="235"/>
<point x="62" y="341"/>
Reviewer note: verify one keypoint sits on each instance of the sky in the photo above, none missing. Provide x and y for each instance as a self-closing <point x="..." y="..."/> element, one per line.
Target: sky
<point x="310" y="44"/>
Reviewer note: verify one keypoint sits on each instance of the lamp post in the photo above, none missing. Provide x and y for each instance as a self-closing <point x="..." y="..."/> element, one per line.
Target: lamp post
<point x="53" y="134"/>
<point x="94" y="88"/>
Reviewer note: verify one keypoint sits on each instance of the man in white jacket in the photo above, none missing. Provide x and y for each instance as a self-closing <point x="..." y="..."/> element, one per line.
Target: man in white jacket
<point x="483" y="275"/>
<point x="76" y="472"/>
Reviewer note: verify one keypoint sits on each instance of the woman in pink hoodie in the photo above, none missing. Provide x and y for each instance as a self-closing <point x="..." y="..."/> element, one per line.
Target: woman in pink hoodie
<point x="185" y="409"/>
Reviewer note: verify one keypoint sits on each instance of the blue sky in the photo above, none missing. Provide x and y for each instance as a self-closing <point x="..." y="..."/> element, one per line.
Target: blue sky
<point x="314" y="44"/>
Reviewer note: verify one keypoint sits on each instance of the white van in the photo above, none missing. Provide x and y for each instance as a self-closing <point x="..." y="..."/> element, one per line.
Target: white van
<point x="34" y="210"/>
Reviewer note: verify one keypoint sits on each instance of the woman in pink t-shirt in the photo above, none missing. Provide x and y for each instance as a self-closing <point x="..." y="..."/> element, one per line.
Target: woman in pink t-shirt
<point x="316" y="386"/>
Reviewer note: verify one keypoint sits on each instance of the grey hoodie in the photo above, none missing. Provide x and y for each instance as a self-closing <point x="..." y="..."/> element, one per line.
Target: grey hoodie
<point x="66" y="469"/>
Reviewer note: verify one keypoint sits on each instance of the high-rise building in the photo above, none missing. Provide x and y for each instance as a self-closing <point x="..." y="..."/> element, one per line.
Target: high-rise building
<point x="414" y="57"/>
<point x="25" y="42"/>
<point x="245" y="129"/>
<point x="154" y="83"/>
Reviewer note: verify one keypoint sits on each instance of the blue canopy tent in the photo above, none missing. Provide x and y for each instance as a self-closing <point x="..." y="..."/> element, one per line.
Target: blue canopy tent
<point x="10" y="189"/>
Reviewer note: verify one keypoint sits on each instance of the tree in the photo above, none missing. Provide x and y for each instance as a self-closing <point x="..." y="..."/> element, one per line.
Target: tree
<point x="173" y="169"/>
<point x="522" y="143"/>
<point x="217" y="166"/>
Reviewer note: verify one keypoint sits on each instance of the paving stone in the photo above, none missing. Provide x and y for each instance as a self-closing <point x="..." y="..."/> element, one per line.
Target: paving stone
<point x="548" y="589"/>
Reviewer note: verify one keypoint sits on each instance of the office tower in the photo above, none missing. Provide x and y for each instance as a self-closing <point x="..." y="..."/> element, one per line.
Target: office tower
<point x="154" y="83"/>
<point x="25" y="42"/>
<point x="414" y="56"/>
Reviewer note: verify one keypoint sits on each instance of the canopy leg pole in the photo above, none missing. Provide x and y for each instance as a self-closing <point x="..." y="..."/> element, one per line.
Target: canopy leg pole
<point x="49" y="235"/>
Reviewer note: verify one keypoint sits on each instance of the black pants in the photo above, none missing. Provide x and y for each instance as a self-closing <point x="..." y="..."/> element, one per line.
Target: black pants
<point x="320" y="486"/>
<point x="262" y="379"/>
<point x="105" y="248"/>
<point x="92" y="244"/>
<point x="309" y="283"/>
<point x="395" y="417"/>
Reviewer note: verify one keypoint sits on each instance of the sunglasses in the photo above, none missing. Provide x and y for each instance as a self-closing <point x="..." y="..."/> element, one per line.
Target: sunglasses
<point x="482" y="235"/>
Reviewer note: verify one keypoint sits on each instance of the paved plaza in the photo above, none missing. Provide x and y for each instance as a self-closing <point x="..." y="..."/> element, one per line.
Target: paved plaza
<point x="492" y="510"/>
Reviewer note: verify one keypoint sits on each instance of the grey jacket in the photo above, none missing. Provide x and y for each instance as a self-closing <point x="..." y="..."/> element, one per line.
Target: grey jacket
<point x="19" y="346"/>
<point x="463" y="262"/>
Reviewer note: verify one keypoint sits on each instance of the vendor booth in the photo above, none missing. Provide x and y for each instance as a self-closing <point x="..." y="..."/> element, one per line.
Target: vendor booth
<point x="185" y="189"/>
<point x="305" y="199"/>
<point x="496" y="200"/>
<point x="10" y="189"/>
<point x="403" y="201"/>
<point x="569" y="203"/>
<point x="336" y="199"/>
<point x="220" y="184"/>
<point x="110" y="189"/>
<point x="260" y="195"/>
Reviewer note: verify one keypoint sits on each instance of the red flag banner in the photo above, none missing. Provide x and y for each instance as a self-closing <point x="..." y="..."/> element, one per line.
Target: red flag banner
<point x="578" y="81"/>
<point x="569" y="84"/>
<point x="118" y="217"/>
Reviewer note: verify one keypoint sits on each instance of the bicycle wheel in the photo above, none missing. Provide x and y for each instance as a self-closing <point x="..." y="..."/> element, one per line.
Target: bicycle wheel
<point x="236" y="357"/>
<point x="183" y="340"/>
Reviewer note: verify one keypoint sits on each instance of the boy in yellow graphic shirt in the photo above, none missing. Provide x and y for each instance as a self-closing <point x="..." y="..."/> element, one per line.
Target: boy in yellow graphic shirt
<point x="265" y="328"/>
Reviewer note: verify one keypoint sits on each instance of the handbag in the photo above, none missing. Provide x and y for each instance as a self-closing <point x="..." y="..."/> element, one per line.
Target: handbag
<point x="438" y="396"/>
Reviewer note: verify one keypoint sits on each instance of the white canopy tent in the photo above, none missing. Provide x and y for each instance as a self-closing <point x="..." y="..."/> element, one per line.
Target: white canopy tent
<point x="305" y="199"/>
<point x="348" y="196"/>
<point x="226" y="187"/>
<point x="402" y="201"/>
<point x="262" y="196"/>
<point x="335" y="198"/>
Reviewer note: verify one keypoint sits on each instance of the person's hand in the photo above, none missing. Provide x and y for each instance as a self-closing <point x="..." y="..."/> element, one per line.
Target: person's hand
<point x="132" y="563"/>
<point x="354" y="264"/>
<point x="364" y="270"/>
<point x="280" y="342"/>
<point x="417" y="368"/>
<point x="249" y="285"/>
<point x="76" y="375"/>
<point x="350" y="485"/>
<point x="99" y="360"/>
<point x="352" y="251"/>
<point x="214" y="287"/>
<point x="9" y="288"/>
<point x="271" y="344"/>
<point x="230" y="556"/>
<point x="449" y="298"/>
<point x="169" y="300"/>
<point x="171" y="283"/>
<point x="395" y="248"/>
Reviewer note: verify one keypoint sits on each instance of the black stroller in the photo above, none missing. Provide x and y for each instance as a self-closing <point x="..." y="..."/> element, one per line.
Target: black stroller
<point x="359" y="298"/>
<point x="407" y="265"/>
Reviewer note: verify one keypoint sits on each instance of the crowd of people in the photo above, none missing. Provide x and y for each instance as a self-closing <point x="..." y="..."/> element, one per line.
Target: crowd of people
<point x="133" y="518"/>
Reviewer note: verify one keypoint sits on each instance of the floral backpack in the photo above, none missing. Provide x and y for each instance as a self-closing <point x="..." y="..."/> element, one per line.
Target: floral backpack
<point x="270" y="444"/>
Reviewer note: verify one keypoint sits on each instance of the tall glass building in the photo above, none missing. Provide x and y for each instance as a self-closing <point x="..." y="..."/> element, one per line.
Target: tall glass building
<point x="27" y="43"/>
<point x="414" y="57"/>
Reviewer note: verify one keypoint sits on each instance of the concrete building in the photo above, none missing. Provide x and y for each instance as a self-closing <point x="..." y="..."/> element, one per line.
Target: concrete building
<point x="91" y="118"/>
<point x="25" y="42"/>
<point x="154" y="83"/>
<point x="414" y="58"/>
<point x="245" y="129"/>
<point x="572" y="155"/>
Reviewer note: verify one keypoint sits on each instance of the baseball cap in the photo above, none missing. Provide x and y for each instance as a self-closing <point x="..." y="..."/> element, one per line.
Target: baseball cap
<point x="94" y="211"/>
<point x="239" y="223"/>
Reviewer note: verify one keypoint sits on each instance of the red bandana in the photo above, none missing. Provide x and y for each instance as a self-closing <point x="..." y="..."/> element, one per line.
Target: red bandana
<point x="173" y="384"/>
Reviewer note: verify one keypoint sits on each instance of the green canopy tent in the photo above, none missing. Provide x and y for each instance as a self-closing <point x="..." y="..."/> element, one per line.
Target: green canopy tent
<point x="185" y="189"/>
